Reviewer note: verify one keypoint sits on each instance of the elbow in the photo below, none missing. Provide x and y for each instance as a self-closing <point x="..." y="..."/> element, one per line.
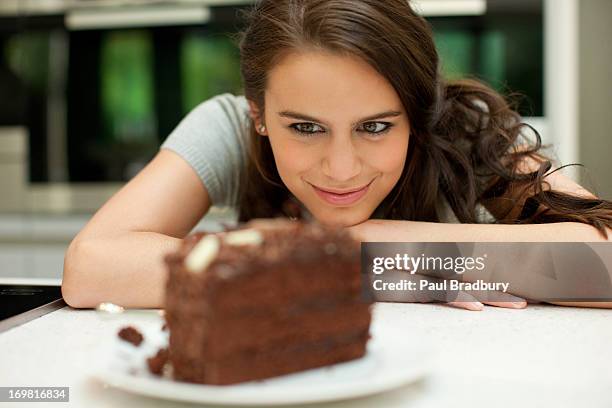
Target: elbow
<point x="77" y="282"/>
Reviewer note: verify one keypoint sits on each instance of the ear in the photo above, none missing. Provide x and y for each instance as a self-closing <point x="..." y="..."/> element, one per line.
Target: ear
<point x="255" y="114"/>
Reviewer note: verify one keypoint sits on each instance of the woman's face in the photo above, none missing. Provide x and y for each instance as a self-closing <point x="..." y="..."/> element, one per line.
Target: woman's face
<point x="339" y="134"/>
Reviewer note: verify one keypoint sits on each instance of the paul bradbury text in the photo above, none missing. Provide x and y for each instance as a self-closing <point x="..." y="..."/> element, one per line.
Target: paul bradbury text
<point x="445" y="285"/>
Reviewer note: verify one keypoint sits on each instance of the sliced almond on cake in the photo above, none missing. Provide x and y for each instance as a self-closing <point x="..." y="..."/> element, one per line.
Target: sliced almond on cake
<point x="203" y="254"/>
<point x="244" y="237"/>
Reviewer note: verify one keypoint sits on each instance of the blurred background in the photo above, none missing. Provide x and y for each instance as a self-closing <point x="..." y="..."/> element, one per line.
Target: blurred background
<point x="90" y="88"/>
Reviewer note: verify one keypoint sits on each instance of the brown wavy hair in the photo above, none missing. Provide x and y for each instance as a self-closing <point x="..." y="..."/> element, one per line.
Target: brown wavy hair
<point x="465" y="142"/>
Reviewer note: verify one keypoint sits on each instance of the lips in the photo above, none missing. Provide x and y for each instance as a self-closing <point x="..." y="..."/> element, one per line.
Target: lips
<point x="341" y="192"/>
<point x="342" y="198"/>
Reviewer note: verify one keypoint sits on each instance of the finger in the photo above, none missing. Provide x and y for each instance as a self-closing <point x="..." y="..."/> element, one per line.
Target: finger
<point x="499" y="299"/>
<point x="473" y="306"/>
<point x="503" y="299"/>
<point x="508" y="305"/>
<point x="466" y="301"/>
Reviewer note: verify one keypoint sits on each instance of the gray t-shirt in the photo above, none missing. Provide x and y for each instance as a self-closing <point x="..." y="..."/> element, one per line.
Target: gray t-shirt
<point x="213" y="139"/>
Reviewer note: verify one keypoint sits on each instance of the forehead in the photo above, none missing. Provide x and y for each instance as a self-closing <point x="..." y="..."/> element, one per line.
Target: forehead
<point x="327" y="84"/>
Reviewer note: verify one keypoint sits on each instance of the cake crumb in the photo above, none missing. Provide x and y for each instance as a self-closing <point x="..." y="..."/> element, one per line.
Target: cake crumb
<point x="131" y="335"/>
<point x="158" y="361"/>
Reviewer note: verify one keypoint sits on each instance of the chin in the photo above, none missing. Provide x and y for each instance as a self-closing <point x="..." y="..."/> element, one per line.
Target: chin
<point x="336" y="219"/>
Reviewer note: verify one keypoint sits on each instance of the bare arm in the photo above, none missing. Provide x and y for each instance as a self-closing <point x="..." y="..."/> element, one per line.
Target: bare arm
<point x="410" y="231"/>
<point x="118" y="256"/>
<point x="557" y="182"/>
<point x="417" y="231"/>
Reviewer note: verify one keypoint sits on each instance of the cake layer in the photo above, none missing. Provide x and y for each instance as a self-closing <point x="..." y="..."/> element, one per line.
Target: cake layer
<point x="255" y="366"/>
<point x="214" y="339"/>
<point x="266" y="288"/>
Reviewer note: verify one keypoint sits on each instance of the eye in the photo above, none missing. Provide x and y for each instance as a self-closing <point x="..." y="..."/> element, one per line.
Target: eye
<point x="306" y="128"/>
<point x="376" y="128"/>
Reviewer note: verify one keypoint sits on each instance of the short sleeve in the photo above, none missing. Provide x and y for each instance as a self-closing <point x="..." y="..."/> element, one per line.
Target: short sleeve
<point x="213" y="138"/>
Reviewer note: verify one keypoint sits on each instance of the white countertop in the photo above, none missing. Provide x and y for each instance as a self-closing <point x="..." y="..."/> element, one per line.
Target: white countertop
<point x="540" y="356"/>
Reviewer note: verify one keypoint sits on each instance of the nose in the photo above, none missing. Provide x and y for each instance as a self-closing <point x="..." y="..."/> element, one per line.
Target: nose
<point x="341" y="161"/>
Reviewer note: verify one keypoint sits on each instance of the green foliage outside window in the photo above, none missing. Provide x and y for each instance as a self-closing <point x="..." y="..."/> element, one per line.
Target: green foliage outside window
<point x="210" y="66"/>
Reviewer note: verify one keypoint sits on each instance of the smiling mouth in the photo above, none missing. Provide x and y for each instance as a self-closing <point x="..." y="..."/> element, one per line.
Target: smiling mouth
<point x="342" y="197"/>
<point x="342" y="192"/>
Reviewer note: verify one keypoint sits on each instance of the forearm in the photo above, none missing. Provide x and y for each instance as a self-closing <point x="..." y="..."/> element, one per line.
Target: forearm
<point x="526" y="281"/>
<point x="599" y="305"/>
<point x="126" y="269"/>
<point x="416" y="231"/>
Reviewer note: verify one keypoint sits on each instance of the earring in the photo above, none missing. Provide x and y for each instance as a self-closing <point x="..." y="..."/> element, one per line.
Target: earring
<point x="262" y="129"/>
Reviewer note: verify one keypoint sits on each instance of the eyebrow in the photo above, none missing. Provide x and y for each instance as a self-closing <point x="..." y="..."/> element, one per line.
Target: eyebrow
<point x="301" y="116"/>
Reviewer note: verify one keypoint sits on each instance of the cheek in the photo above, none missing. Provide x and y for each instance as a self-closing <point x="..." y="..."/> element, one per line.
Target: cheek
<point x="292" y="158"/>
<point x="388" y="158"/>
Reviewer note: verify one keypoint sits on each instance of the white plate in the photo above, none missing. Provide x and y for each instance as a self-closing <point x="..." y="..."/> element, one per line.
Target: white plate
<point x="390" y="362"/>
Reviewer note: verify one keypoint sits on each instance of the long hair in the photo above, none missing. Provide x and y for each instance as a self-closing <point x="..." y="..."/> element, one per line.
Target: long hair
<point x="465" y="143"/>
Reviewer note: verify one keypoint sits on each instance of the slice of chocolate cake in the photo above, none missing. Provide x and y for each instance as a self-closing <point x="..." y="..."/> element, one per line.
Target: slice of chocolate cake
<point x="264" y="301"/>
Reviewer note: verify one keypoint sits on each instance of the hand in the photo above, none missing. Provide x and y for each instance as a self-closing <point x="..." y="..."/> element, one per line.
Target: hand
<point x="468" y="301"/>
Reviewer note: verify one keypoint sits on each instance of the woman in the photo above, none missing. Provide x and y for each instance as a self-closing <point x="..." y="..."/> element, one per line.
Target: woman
<point x="346" y="120"/>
